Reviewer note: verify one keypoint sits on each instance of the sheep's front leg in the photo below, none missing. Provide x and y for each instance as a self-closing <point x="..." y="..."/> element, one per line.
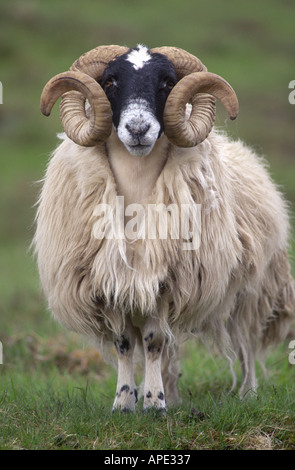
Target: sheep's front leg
<point x="153" y="344"/>
<point x="126" y="392"/>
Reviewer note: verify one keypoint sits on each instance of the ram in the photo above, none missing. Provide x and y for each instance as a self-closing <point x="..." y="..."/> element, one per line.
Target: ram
<point x="146" y="140"/>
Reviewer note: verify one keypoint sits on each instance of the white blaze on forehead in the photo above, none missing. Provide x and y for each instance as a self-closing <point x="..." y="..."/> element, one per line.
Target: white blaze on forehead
<point x="139" y="57"/>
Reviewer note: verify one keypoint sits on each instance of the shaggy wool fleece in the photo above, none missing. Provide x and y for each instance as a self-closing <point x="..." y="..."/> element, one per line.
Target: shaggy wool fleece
<point x="234" y="289"/>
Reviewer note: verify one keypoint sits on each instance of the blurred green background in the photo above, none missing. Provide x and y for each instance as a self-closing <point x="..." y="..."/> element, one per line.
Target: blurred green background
<point x="250" y="43"/>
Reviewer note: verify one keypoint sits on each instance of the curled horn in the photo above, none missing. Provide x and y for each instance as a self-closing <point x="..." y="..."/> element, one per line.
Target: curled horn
<point x="77" y="85"/>
<point x="200" y="88"/>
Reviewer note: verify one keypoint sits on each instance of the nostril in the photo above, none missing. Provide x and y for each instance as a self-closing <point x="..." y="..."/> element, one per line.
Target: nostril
<point x="145" y="128"/>
<point x="138" y="131"/>
<point x="129" y="129"/>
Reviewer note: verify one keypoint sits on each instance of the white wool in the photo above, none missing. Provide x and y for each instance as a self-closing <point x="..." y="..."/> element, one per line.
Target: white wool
<point x="139" y="57"/>
<point x="235" y="289"/>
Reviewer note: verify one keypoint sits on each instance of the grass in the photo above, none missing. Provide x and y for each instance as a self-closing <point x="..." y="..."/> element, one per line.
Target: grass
<point x="55" y="392"/>
<point x="60" y="397"/>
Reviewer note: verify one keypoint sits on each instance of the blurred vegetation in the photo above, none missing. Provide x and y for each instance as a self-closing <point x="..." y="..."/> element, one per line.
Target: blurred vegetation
<point x="250" y="43"/>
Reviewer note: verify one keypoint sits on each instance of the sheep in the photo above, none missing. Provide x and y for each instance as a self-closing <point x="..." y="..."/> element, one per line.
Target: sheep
<point x="147" y="138"/>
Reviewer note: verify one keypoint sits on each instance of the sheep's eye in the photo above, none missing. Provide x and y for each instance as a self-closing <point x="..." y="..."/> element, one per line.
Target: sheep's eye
<point x="110" y="82"/>
<point x="170" y="84"/>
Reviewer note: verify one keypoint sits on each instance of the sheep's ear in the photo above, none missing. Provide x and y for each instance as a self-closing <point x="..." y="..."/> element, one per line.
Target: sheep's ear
<point x="200" y="89"/>
<point x="75" y="88"/>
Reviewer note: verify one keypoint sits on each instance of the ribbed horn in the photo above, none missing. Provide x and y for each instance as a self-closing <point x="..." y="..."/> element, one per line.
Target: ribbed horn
<point x="200" y="88"/>
<point x="184" y="62"/>
<point x="193" y="89"/>
<point x="78" y="127"/>
<point x="82" y="78"/>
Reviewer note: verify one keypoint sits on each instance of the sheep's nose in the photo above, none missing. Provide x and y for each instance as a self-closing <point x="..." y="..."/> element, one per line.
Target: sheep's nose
<point x="138" y="131"/>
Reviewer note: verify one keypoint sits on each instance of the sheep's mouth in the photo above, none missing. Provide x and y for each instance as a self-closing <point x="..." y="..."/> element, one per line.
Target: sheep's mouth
<point x="139" y="150"/>
<point x="139" y="146"/>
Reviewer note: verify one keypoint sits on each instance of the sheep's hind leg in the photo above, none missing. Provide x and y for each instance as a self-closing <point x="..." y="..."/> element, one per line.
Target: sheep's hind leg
<point x="170" y="376"/>
<point x="153" y="344"/>
<point x="126" y="391"/>
<point x="249" y="385"/>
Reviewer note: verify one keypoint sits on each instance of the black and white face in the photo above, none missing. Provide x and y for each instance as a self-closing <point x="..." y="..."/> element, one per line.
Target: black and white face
<point x="137" y="85"/>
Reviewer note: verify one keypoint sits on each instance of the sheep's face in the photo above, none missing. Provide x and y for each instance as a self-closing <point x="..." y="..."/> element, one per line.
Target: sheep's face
<point x="129" y="88"/>
<point x="137" y="85"/>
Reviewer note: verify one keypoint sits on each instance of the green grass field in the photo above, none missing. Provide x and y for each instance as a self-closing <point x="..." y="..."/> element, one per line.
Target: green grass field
<point x="55" y="391"/>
